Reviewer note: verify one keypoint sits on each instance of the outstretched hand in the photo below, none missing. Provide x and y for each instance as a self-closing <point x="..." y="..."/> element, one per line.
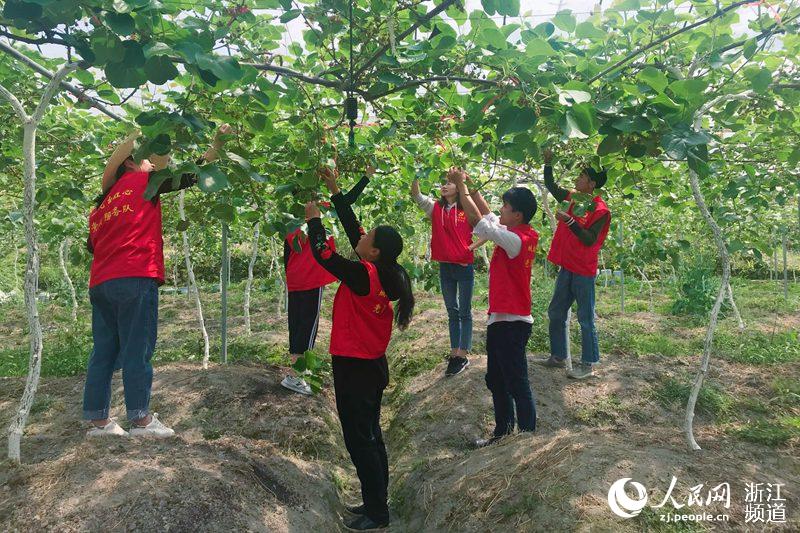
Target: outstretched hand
<point x="312" y="210"/>
<point x="223" y="130"/>
<point x="456" y="175"/>
<point x="547" y="155"/>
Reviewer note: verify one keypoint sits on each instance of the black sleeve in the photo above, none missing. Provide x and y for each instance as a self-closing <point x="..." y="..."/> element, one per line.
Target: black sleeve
<point x="351" y="273"/>
<point x="352" y="195"/>
<point x="588" y="236"/>
<point x="189" y="179"/>
<point x="558" y="193"/>
<point x="352" y="227"/>
<point x="287" y="251"/>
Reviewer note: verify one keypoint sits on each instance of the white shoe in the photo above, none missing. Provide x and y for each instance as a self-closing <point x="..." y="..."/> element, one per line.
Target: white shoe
<point x="296" y="384"/>
<point x="110" y="429"/>
<point x="154" y="429"/>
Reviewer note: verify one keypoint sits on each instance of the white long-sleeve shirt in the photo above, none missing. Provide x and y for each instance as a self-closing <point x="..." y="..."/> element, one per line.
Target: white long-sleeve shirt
<point x="489" y="227"/>
<point x="426" y="203"/>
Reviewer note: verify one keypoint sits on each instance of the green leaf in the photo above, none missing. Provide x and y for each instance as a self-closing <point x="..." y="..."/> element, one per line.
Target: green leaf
<point x="211" y="179"/>
<point x="159" y="70"/>
<point x="390" y="77"/>
<point x="538" y="47"/>
<point x="611" y="144"/>
<point x="508" y="7"/>
<point x="224" y="68"/>
<point x="515" y="119"/>
<point x="494" y="37"/>
<point x="122" y="76"/>
<point x="121" y="23"/>
<point x="224" y="212"/>
<point x="587" y="30"/>
<point x="564" y="21"/>
<point x="489" y="6"/>
<point x="585" y="117"/>
<point x="636" y="150"/>
<point x="688" y="89"/>
<point x="760" y="79"/>
<point x="290" y="15"/>
<point x="570" y="127"/>
<point x="22" y="10"/>
<point x="749" y="48"/>
<point x="654" y="78"/>
<point x="632" y="124"/>
<point x="572" y="96"/>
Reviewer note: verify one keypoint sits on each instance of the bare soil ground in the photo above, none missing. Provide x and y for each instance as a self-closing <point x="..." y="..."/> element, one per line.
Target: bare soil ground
<point x="250" y="456"/>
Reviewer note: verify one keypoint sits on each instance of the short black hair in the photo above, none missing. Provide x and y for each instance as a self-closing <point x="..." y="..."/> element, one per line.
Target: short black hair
<point x="599" y="177"/>
<point x="521" y="200"/>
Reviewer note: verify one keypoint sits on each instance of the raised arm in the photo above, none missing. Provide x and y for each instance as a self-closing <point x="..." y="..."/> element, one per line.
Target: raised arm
<point x="118" y="157"/>
<point x="471" y="209"/>
<point x="189" y="179"/>
<point x="352" y="273"/>
<point x="559" y="193"/>
<point x="352" y="227"/>
<point x="352" y="195"/>
<point x="423" y="202"/>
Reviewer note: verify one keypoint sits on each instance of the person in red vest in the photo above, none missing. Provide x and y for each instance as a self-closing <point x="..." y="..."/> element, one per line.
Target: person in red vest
<point x="453" y="249"/>
<point x="362" y="327"/>
<point x="575" y="247"/>
<point x="305" y="280"/>
<point x="509" y="324"/>
<point x="126" y="241"/>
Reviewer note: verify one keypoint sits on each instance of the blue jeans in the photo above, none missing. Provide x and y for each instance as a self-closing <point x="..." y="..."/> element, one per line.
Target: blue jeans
<point x="124" y="329"/>
<point x="507" y="377"/>
<point x="572" y="287"/>
<point x="457" y="282"/>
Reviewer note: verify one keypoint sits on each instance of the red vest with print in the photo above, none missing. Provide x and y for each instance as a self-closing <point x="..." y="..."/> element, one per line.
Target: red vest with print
<point x="510" y="279"/>
<point x="567" y="251"/>
<point x="303" y="273"/>
<point x="451" y="235"/>
<point x="362" y="325"/>
<point x="125" y="231"/>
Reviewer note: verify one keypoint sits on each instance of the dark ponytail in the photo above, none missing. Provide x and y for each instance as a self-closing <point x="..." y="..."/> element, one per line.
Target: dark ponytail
<point x="390" y="244"/>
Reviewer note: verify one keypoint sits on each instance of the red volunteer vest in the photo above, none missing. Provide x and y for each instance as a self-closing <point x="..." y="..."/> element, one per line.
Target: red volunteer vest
<point x="451" y="236"/>
<point x="567" y="251"/>
<point x="510" y="279"/>
<point x="303" y="273"/>
<point x="362" y="325"/>
<point x="125" y="231"/>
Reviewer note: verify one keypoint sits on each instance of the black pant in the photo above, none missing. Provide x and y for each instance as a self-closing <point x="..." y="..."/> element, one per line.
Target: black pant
<point x="507" y="376"/>
<point x="359" y="385"/>
<point x="303" y="319"/>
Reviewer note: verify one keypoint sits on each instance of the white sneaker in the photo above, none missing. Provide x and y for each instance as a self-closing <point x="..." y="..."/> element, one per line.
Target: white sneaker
<point x="154" y="429"/>
<point x="296" y="384"/>
<point x="112" y="429"/>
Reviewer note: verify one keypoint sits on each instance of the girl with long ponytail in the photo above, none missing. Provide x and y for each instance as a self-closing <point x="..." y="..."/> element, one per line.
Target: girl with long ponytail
<point x="362" y="326"/>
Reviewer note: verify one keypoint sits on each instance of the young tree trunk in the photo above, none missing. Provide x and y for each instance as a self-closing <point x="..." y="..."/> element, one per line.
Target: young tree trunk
<point x="649" y="286"/>
<point x="785" y="270"/>
<point x="249" y="285"/>
<point x="62" y="260"/>
<point x="193" y="288"/>
<point x="30" y="123"/>
<point x="622" y="275"/>
<point x="735" y="308"/>
<point x="722" y="248"/>
<point x="224" y="294"/>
